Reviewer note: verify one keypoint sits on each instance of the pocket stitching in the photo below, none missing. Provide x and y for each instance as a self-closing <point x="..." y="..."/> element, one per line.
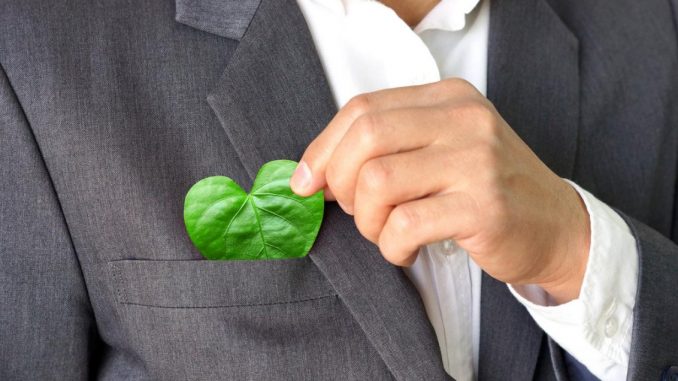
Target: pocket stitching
<point x="116" y="271"/>
<point x="229" y="305"/>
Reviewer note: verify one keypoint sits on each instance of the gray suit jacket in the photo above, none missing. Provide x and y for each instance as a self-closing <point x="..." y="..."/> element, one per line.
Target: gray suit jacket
<point x="111" y="110"/>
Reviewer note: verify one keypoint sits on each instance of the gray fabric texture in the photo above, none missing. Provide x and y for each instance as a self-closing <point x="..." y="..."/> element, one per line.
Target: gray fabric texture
<point x="209" y="15"/>
<point x="110" y="111"/>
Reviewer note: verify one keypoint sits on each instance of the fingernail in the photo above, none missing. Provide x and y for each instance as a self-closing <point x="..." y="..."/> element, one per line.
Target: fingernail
<point x="301" y="179"/>
<point x="345" y="208"/>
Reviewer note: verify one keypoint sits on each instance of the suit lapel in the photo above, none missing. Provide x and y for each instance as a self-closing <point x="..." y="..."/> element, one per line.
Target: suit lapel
<point x="510" y="340"/>
<point x="272" y="100"/>
<point x="533" y="81"/>
<point x="533" y="78"/>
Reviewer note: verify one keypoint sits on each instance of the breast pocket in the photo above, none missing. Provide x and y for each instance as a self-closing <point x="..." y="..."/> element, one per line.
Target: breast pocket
<point x="214" y="284"/>
<point x="228" y="320"/>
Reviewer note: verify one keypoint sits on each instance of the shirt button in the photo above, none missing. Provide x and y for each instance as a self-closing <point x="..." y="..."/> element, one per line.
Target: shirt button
<point x="449" y="247"/>
<point x="611" y="326"/>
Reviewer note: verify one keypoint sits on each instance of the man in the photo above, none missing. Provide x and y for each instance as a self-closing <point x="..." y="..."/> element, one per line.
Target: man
<point x="110" y="112"/>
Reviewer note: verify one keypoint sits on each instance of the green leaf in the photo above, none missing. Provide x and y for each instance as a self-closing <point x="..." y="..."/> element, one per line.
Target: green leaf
<point x="270" y="222"/>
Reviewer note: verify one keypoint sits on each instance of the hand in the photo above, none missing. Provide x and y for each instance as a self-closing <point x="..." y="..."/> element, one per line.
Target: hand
<point x="416" y="165"/>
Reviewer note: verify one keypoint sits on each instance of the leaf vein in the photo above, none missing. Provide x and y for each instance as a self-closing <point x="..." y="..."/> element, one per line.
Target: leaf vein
<point x="282" y="218"/>
<point x="261" y="230"/>
<point x="285" y="196"/>
<point x="277" y="248"/>
<point x="213" y="205"/>
<point x="228" y="227"/>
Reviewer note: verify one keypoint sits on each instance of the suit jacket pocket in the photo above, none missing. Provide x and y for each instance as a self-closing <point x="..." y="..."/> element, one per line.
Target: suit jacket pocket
<point x="217" y="284"/>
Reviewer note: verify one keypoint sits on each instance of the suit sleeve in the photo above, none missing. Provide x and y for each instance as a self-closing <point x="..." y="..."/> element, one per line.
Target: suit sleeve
<point x="46" y="322"/>
<point x="596" y="328"/>
<point x="655" y="331"/>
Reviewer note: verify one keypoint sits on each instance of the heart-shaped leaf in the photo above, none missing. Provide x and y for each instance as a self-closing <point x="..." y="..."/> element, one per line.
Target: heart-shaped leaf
<point x="270" y="222"/>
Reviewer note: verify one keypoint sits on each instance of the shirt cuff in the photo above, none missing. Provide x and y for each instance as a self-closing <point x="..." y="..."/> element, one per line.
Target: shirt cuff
<point x="596" y="327"/>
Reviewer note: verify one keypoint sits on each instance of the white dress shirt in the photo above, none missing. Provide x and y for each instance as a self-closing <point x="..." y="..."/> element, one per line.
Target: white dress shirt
<point x="364" y="46"/>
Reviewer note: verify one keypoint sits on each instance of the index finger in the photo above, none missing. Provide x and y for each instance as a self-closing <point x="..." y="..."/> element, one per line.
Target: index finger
<point x="309" y="177"/>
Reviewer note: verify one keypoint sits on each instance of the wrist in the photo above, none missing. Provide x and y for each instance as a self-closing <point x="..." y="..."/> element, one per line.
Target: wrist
<point x="566" y="272"/>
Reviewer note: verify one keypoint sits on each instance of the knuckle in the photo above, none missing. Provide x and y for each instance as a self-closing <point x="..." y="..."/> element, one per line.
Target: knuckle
<point x="367" y="130"/>
<point x="398" y="241"/>
<point x="488" y="129"/>
<point x="375" y="176"/>
<point x="455" y="85"/>
<point x="467" y="110"/>
<point x="359" y="104"/>
<point x="478" y="111"/>
<point x="405" y="219"/>
<point x="483" y="113"/>
<point x="485" y="119"/>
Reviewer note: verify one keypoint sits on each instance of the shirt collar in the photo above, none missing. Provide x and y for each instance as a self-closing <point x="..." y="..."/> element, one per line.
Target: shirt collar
<point x="447" y="15"/>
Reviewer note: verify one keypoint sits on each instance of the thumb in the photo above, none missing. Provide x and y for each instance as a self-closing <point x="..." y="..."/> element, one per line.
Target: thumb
<point x="309" y="176"/>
